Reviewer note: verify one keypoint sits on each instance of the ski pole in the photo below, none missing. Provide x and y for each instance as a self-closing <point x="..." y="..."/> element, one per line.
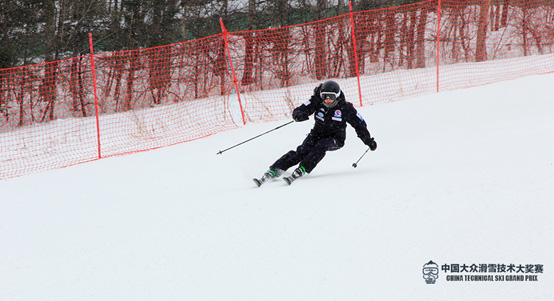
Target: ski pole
<point x="221" y="151"/>
<point x="356" y="164"/>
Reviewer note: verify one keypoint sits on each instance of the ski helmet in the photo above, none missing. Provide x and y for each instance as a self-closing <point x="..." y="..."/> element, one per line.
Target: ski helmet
<point x="330" y="89"/>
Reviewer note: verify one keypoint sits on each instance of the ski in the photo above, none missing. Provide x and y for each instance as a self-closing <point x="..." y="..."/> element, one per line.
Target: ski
<point x="268" y="175"/>
<point x="272" y="175"/>
<point x="258" y="182"/>
<point x="288" y="180"/>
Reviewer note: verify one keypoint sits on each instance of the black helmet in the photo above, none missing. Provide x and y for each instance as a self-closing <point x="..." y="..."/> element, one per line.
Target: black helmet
<point x="330" y="89"/>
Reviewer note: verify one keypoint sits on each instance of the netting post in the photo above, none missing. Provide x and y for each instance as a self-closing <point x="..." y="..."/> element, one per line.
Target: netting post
<point x="438" y="41"/>
<point x="355" y="51"/>
<point x="235" y="81"/>
<point x="95" y="94"/>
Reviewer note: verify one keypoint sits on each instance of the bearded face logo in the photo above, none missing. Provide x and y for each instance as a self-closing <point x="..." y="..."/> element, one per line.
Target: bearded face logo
<point x="430" y="272"/>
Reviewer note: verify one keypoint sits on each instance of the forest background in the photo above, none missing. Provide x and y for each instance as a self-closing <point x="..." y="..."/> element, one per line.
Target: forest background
<point x="42" y="31"/>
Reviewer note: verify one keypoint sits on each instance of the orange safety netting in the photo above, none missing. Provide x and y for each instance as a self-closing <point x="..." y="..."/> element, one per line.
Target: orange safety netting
<point x="81" y="109"/>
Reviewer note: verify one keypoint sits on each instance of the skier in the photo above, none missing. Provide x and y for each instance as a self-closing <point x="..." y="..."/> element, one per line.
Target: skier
<point x="332" y="112"/>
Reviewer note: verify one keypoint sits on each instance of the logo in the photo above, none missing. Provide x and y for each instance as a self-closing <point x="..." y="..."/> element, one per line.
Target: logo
<point x="430" y="272"/>
<point x="360" y="116"/>
<point x="320" y="116"/>
<point x="338" y="116"/>
<point x="482" y="272"/>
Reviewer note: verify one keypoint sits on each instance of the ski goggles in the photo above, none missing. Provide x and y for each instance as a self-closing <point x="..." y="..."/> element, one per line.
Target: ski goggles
<point x="331" y="95"/>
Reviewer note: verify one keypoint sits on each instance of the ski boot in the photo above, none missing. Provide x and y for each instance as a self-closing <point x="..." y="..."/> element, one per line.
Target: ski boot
<point x="297" y="173"/>
<point x="269" y="174"/>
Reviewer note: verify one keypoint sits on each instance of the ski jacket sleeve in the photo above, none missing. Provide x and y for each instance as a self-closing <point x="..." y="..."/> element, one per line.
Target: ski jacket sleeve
<point x="358" y="123"/>
<point x="309" y="107"/>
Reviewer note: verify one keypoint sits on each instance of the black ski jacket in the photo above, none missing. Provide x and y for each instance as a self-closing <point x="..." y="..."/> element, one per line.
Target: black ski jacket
<point x="331" y="122"/>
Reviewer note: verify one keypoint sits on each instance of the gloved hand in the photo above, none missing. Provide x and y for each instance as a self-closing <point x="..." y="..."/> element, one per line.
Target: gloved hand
<point x="298" y="115"/>
<point x="317" y="90"/>
<point x="371" y="143"/>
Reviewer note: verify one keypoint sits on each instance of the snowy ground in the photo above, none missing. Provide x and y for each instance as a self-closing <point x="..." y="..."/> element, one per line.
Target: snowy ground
<point x="459" y="177"/>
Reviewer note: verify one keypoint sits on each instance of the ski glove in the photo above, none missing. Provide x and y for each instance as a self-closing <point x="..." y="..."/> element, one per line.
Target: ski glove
<point x="298" y="115"/>
<point x="317" y="90"/>
<point x="371" y="143"/>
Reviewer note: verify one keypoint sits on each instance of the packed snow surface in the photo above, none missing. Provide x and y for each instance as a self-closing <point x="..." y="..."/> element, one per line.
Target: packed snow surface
<point x="459" y="177"/>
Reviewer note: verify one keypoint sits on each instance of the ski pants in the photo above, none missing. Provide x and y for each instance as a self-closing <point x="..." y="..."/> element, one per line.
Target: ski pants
<point x="308" y="154"/>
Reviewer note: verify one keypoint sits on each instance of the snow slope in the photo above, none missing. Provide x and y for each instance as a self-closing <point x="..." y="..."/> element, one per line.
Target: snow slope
<point x="459" y="177"/>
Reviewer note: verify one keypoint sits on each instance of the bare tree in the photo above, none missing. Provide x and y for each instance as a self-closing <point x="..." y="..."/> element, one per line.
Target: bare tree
<point x="320" y="41"/>
<point x="390" y="30"/>
<point x="420" y="38"/>
<point x="247" y="78"/>
<point x="505" y="7"/>
<point x="481" y="46"/>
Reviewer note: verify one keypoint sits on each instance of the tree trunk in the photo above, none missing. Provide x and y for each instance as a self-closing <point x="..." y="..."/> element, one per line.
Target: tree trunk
<point x="410" y="38"/>
<point x="249" y="45"/>
<point x="497" y="18"/>
<point x="525" y="26"/>
<point x="420" y="39"/>
<point x="49" y="30"/>
<point x="133" y="57"/>
<point x="21" y="99"/>
<point x="320" y="44"/>
<point x="184" y="21"/>
<point x="389" y="37"/>
<point x="505" y="7"/>
<point x="47" y="88"/>
<point x="481" y="47"/>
